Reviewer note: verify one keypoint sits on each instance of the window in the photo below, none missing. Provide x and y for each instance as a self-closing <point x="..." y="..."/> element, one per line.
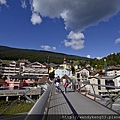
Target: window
<point x="78" y="75"/>
<point x="84" y="75"/>
<point x="110" y="83"/>
<point x="99" y="87"/>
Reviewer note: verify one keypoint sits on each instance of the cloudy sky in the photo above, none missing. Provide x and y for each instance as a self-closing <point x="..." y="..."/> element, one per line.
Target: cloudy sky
<point x="88" y="28"/>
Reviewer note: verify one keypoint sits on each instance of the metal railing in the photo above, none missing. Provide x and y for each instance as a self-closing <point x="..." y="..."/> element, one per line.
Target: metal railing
<point x="32" y="91"/>
<point x="40" y="108"/>
<point x="112" y="99"/>
<point x="24" y="94"/>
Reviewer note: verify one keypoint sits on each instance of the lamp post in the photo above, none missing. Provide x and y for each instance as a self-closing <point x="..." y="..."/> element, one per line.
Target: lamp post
<point x="105" y="67"/>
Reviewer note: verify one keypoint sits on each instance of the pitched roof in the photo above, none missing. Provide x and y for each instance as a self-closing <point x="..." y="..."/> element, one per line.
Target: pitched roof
<point x="96" y="72"/>
<point x="66" y="77"/>
<point x="113" y="68"/>
<point x="53" y="65"/>
<point x="19" y="76"/>
<point x="3" y="81"/>
<point x="105" y="77"/>
<point x="43" y="80"/>
<point x="82" y="69"/>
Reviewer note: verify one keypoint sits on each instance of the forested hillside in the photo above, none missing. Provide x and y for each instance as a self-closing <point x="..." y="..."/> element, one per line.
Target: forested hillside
<point x="111" y="60"/>
<point x="8" y="53"/>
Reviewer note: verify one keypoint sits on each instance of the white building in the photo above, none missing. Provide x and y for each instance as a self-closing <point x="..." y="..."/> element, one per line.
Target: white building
<point x="36" y="69"/>
<point x="23" y="67"/>
<point x="9" y="68"/>
<point x="82" y="74"/>
<point x="61" y="72"/>
<point x="105" y="80"/>
<point x="113" y="70"/>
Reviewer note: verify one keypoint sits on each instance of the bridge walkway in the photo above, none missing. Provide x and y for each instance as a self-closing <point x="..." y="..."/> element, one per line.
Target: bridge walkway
<point x="74" y="103"/>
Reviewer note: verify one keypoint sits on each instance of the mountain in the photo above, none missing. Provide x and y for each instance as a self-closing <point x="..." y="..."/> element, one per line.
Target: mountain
<point x="9" y="53"/>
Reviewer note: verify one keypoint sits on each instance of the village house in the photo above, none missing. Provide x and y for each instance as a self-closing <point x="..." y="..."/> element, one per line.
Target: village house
<point x="61" y="72"/>
<point x="82" y="74"/>
<point x="35" y="69"/>
<point x="113" y="70"/>
<point x="65" y="65"/>
<point x="9" y="68"/>
<point x="105" y="80"/>
<point x="111" y="78"/>
<point x="21" y="73"/>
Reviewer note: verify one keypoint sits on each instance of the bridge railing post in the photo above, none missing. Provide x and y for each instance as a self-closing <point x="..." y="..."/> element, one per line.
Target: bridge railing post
<point x="94" y="92"/>
<point x="111" y="100"/>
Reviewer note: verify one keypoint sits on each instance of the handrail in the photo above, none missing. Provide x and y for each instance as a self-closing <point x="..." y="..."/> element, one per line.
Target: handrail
<point x="88" y="83"/>
<point x="38" y="109"/>
<point x="107" y="86"/>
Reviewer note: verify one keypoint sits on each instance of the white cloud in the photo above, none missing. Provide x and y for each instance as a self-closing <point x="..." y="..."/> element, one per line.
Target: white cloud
<point x="117" y="41"/>
<point x="3" y="2"/>
<point x="54" y="48"/>
<point x="88" y="56"/>
<point x="99" y="58"/>
<point x="77" y="14"/>
<point x="48" y="48"/>
<point x="23" y="4"/>
<point x="36" y="19"/>
<point x="75" y="40"/>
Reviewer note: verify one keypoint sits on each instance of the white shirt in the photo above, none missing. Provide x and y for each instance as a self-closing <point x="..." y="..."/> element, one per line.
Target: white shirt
<point x="64" y="80"/>
<point x="57" y="84"/>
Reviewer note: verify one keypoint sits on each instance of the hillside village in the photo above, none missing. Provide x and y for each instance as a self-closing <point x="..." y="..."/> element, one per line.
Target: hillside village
<point x="23" y="73"/>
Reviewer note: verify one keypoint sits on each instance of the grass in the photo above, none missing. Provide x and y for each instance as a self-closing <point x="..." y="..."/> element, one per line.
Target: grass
<point x="118" y="111"/>
<point x="17" y="107"/>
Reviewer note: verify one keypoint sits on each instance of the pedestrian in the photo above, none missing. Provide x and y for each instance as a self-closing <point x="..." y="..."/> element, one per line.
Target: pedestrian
<point x="57" y="85"/>
<point x="64" y="85"/>
<point x="58" y="79"/>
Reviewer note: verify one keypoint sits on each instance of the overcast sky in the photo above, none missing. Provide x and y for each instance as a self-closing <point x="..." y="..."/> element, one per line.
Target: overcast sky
<point x="88" y="28"/>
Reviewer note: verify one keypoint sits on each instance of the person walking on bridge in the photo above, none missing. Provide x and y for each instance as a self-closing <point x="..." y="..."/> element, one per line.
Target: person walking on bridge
<point x="65" y="85"/>
<point x="57" y="82"/>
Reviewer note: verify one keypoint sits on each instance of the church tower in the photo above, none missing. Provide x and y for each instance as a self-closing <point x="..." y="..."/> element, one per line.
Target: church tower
<point x="64" y="60"/>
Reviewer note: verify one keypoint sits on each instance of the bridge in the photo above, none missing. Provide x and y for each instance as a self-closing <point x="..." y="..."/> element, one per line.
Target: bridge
<point x="73" y="105"/>
<point x="69" y="105"/>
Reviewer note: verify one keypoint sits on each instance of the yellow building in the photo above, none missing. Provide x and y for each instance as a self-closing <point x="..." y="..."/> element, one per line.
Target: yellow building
<point x="65" y="65"/>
